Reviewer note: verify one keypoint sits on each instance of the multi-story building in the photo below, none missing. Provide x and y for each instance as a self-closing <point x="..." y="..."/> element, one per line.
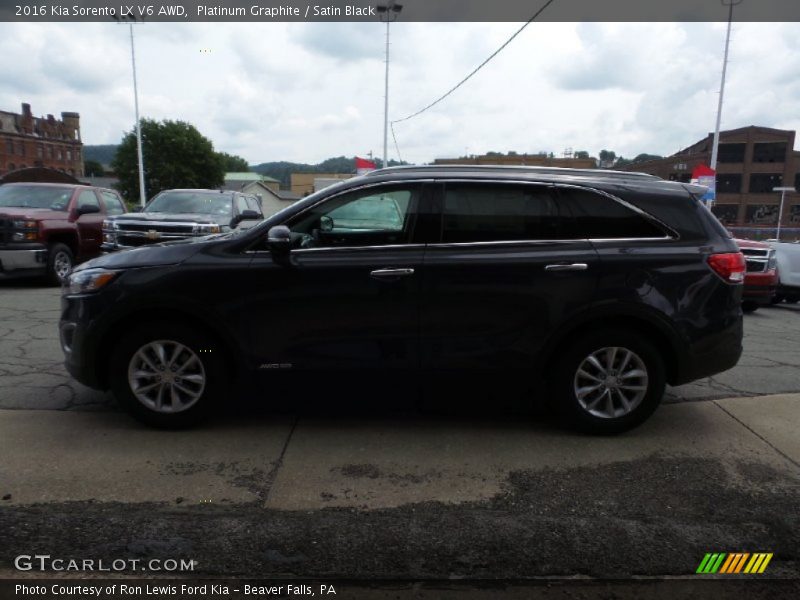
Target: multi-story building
<point x="751" y="163"/>
<point x="28" y="141"/>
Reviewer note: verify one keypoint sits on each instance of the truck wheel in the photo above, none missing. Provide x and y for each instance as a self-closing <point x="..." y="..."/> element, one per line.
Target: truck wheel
<point x="792" y="300"/>
<point x="59" y="263"/>
<point x="776" y="299"/>
<point x="168" y="374"/>
<point x="749" y="306"/>
<point x="608" y="382"/>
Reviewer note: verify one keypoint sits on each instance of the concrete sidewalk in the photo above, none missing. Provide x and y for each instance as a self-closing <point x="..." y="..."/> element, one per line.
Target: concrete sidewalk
<point x="370" y="463"/>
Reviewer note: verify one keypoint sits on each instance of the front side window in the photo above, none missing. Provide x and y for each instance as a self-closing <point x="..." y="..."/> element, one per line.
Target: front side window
<point x="113" y="204"/>
<point x="88" y="198"/>
<point x="371" y="217"/>
<point x="487" y="212"/>
<point x="597" y="216"/>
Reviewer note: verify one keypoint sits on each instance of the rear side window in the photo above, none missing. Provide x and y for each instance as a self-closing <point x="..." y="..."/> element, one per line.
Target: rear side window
<point x="595" y="216"/>
<point x="487" y="212"/>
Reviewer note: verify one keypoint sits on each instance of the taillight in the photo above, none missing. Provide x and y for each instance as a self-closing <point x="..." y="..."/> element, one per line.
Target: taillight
<point x="730" y="266"/>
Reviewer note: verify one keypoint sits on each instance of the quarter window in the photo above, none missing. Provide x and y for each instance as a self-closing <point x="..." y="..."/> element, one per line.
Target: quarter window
<point x="498" y="212"/>
<point x="596" y="216"/>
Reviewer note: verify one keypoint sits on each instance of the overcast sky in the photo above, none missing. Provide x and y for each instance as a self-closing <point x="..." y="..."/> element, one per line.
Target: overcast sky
<point x="306" y="92"/>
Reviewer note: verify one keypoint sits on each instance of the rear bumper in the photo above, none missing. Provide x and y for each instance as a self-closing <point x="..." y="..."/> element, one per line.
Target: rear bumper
<point x="23" y="262"/>
<point x="708" y="359"/>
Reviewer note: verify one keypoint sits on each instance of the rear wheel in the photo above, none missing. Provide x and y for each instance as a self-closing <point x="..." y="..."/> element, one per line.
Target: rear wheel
<point x="608" y="382"/>
<point x="59" y="263"/>
<point x="749" y="306"/>
<point x="792" y="300"/>
<point x="167" y="375"/>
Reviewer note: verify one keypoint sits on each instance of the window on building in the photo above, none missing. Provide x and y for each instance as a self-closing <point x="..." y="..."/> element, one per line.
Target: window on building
<point x="69" y="155"/>
<point x="50" y="152"/>
<point x="762" y="214"/>
<point x="39" y="151"/>
<point x="763" y="183"/>
<point x="728" y="214"/>
<point x="60" y="155"/>
<point x="10" y="146"/>
<point x="731" y="153"/>
<point x="21" y="148"/>
<point x="769" y="152"/>
<point x="797" y="181"/>
<point x="729" y="183"/>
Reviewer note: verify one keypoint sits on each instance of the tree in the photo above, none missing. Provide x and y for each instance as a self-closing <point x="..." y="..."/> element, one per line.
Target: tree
<point x="607" y="157"/>
<point x="176" y="155"/>
<point x="92" y="168"/>
<point x="232" y="163"/>
<point x="581" y="154"/>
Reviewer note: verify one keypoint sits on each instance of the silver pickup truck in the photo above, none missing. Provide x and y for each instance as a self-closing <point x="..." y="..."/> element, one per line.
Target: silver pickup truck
<point x="788" y="258"/>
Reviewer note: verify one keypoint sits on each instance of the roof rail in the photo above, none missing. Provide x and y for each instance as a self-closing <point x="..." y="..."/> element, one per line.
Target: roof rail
<point x="604" y="173"/>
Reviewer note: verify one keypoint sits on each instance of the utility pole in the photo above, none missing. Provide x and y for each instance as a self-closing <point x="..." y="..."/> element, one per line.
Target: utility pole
<point x="387" y="12"/>
<point x="142" y="194"/>
<point x="715" y="147"/>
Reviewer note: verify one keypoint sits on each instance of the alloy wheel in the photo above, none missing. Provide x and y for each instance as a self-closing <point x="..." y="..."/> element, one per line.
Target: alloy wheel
<point x="611" y="382"/>
<point x="166" y="376"/>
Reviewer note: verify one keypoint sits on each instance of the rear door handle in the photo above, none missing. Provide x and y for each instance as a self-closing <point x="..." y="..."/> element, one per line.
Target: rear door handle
<point x="567" y="267"/>
<point x="385" y="274"/>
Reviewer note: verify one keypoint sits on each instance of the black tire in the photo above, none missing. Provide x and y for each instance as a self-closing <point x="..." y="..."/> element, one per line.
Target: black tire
<point x="58" y="255"/>
<point x="792" y="300"/>
<point x="563" y="383"/>
<point x="204" y="349"/>
<point x="749" y="306"/>
<point x="776" y="299"/>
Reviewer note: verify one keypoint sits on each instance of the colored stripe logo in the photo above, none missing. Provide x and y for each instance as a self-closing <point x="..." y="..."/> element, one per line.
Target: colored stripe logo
<point x="734" y="563"/>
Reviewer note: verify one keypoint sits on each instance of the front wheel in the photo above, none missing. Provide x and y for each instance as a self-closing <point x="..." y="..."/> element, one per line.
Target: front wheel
<point x="167" y="375"/>
<point x="60" y="261"/>
<point x="608" y="382"/>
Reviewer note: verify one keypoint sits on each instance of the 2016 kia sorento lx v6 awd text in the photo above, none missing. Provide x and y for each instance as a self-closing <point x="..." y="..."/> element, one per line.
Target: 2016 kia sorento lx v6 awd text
<point x="591" y="289"/>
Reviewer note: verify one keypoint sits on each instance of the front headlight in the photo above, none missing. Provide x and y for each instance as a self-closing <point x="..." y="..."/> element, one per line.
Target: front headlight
<point x="90" y="280"/>
<point x="24" y="224"/>
<point x="207" y="228"/>
<point x="110" y="225"/>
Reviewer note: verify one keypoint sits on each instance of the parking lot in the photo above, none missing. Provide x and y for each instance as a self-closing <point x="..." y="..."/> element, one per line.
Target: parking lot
<point x="717" y="468"/>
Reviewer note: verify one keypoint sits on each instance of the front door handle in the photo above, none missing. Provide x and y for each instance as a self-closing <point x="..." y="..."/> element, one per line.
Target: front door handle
<point x="567" y="267"/>
<point x="384" y="274"/>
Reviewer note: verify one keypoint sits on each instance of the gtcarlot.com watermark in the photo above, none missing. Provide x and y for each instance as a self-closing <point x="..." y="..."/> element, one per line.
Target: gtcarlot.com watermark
<point x="45" y="562"/>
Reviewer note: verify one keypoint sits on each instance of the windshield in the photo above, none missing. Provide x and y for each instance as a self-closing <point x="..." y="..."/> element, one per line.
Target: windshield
<point x="32" y="196"/>
<point x="204" y="203"/>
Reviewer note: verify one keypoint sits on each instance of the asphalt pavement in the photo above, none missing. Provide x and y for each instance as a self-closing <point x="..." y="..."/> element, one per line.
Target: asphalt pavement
<point x="402" y="497"/>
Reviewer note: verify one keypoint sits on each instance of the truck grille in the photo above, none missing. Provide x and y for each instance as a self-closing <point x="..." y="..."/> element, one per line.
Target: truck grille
<point x="756" y="266"/>
<point x="757" y="259"/>
<point x="160" y="227"/>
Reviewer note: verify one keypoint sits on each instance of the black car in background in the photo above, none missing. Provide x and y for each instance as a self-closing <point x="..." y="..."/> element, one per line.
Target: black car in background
<point x="592" y="289"/>
<point x="179" y="214"/>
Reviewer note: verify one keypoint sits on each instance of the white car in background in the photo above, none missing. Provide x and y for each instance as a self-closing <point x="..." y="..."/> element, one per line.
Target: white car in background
<point x="788" y="258"/>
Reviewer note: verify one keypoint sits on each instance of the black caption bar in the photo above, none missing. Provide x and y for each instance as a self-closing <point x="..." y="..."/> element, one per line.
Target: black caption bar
<point x="412" y="10"/>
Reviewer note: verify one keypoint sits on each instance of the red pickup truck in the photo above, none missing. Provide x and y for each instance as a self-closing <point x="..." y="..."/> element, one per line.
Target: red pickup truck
<point x="761" y="278"/>
<point x="46" y="228"/>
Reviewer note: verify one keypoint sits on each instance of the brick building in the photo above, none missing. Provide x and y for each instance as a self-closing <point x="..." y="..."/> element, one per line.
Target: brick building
<point x="751" y="162"/>
<point x="28" y="141"/>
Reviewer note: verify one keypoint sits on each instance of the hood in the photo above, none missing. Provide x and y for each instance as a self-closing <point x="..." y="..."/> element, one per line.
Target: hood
<point x="32" y="214"/>
<point x="751" y="244"/>
<point x="171" y="253"/>
<point x="174" y="217"/>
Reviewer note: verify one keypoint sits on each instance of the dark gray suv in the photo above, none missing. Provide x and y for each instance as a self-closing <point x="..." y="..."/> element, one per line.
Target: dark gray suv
<point x="592" y="289"/>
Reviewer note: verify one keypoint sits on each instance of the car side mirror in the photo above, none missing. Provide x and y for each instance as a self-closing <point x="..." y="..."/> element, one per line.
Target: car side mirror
<point x="249" y="215"/>
<point x="279" y="242"/>
<point x="88" y="209"/>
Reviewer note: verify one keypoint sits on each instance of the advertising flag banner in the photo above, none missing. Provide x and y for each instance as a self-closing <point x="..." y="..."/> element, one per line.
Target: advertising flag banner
<point x="364" y="166"/>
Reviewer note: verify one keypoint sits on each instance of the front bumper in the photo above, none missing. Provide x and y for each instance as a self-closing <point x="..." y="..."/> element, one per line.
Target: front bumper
<point x="23" y="261"/>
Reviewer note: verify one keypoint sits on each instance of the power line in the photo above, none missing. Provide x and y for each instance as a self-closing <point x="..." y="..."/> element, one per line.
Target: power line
<point x="478" y="68"/>
<point x="394" y="137"/>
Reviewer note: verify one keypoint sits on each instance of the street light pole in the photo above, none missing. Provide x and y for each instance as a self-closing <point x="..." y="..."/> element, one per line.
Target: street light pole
<point x="783" y="191"/>
<point x="142" y="194"/>
<point x="390" y="11"/>
<point x="715" y="147"/>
